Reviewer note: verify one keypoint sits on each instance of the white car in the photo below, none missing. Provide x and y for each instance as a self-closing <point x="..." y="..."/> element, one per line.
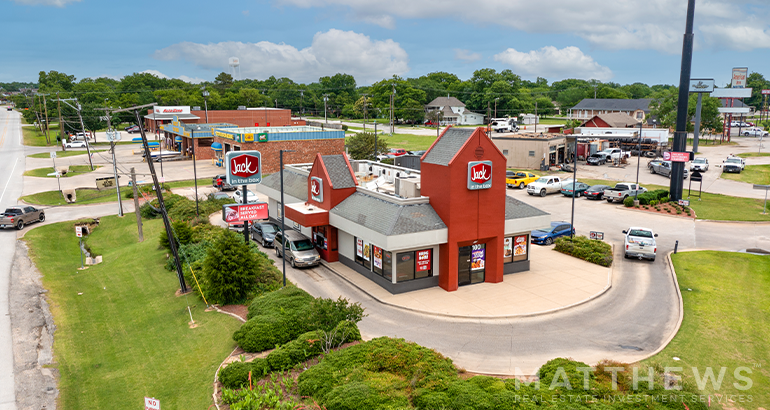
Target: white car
<point x="640" y="243"/>
<point x="699" y="164"/>
<point x="251" y="197"/>
<point x="75" y="144"/>
<point x="754" y="132"/>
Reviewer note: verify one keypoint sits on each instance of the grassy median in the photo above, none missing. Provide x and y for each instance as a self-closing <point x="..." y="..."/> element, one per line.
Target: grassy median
<point x="121" y="333"/>
<point x="63" y="154"/>
<point x="73" y="170"/>
<point x="726" y="322"/>
<point x="753" y="174"/>
<point x="88" y="196"/>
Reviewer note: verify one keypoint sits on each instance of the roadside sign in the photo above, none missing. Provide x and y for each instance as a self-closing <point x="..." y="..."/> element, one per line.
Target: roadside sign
<point x="53" y="154"/>
<point x="151" y="404"/>
<point x="243" y="167"/>
<point x="765" y="92"/>
<point x="79" y="231"/>
<point x="676" y="156"/>
<point x="684" y="202"/>
<point x="765" y="187"/>
<point x="701" y="85"/>
<point x="105" y="182"/>
<point x="236" y="213"/>
<point x="599" y="236"/>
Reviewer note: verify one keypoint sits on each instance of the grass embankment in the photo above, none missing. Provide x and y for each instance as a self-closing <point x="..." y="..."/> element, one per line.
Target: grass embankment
<point x="409" y="142"/>
<point x="87" y="196"/>
<point x="73" y="170"/>
<point x="754" y="154"/>
<point x="716" y="207"/>
<point x="35" y="138"/>
<point x="753" y="174"/>
<point x="121" y="333"/>
<point x="63" y="154"/>
<point x="726" y="321"/>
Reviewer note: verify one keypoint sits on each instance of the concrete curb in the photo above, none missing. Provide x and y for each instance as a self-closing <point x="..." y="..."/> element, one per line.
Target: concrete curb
<point x="522" y="315"/>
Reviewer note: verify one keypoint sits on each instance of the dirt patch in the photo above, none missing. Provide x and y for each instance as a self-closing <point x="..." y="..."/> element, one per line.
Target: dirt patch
<point x="33" y="330"/>
<point x="237" y="310"/>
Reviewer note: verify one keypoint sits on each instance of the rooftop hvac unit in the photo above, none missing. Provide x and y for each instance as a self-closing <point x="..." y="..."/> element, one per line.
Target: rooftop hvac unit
<point x="408" y="186"/>
<point x="196" y="108"/>
<point x="241" y="107"/>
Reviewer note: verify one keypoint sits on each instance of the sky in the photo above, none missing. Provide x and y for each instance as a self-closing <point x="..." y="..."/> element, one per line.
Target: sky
<point x="622" y="41"/>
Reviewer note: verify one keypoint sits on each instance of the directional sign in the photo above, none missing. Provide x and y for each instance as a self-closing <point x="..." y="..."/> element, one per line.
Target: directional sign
<point x="765" y="187"/>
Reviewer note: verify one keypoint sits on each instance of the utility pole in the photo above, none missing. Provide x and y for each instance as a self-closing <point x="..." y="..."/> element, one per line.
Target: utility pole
<point x="61" y="124"/>
<point x="365" y="95"/>
<point x="496" y="98"/>
<point x="114" y="134"/>
<point x="45" y="107"/>
<point x="392" y="112"/>
<point x="302" y="103"/>
<point x="136" y="205"/>
<point x="82" y="126"/>
<point x="283" y="223"/>
<point x="161" y="204"/>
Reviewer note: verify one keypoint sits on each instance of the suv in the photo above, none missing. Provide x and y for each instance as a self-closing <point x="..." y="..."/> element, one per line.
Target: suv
<point x="299" y="249"/>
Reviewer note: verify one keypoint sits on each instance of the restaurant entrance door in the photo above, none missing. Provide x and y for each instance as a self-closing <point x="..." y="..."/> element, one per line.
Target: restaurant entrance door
<point x="471" y="263"/>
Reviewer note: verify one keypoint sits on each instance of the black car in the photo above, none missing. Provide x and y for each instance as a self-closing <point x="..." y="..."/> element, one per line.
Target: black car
<point x="264" y="232"/>
<point x="225" y="185"/>
<point x="596" y="159"/>
<point x="595" y="191"/>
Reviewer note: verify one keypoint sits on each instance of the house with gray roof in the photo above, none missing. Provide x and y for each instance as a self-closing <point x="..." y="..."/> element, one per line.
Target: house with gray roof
<point x="639" y="109"/>
<point x="454" y="112"/>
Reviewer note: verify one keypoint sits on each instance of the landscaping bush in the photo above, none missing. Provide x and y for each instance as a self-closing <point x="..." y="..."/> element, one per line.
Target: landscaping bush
<point x="148" y="212"/>
<point x="182" y="233"/>
<point x="598" y="252"/>
<point x="654" y="202"/>
<point x="559" y="368"/>
<point x="325" y="314"/>
<point x="236" y="374"/>
<point x="628" y="202"/>
<point x="289" y="299"/>
<point x="230" y="270"/>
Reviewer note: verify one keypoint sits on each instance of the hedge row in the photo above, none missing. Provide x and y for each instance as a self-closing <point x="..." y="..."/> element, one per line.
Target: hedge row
<point x="305" y="347"/>
<point x="598" y="252"/>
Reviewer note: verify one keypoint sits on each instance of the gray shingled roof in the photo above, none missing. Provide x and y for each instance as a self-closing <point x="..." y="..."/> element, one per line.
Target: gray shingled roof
<point x="446" y="101"/>
<point x="614" y="104"/>
<point x="615" y="120"/>
<point x="386" y="217"/>
<point x="448" y="145"/>
<point x="294" y="184"/>
<point x="515" y="209"/>
<point x="338" y="170"/>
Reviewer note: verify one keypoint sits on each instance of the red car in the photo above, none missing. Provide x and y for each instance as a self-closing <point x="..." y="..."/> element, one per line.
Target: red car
<point x="397" y="152"/>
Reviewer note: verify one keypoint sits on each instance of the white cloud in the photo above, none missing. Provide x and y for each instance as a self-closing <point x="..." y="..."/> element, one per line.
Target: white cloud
<point x="331" y="52"/>
<point x="466" y="55"/>
<point x="550" y="62"/>
<point x="57" y="3"/>
<point x="742" y="38"/>
<point x="617" y="25"/>
<point x="245" y="13"/>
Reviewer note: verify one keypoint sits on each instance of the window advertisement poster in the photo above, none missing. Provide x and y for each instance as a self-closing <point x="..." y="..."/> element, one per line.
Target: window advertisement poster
<point x="367" y="252"/>
<point x="520" y="245"/>
<point x="360" y="248"/>
<point x="477" y="257"/>
<point x="507" y="250"/>
<point x="424" y="260"/>
<point x="377" y="257"/>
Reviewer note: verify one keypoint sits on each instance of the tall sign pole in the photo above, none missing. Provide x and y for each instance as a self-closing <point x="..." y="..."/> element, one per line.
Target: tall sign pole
<point x="699" y="86"/>
<point x="680" y="135"/>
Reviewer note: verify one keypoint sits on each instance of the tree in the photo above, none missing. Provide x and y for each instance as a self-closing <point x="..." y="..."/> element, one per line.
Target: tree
<point x="757" y="83"/>
<point x="361" y="146"/>
<point x="223" y="80"/>
<point x="665" y="109"/>
<point x="230" y="270"/>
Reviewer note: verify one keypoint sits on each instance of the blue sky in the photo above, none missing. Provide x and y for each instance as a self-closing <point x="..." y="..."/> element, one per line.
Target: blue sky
<point x="623" y="41"/>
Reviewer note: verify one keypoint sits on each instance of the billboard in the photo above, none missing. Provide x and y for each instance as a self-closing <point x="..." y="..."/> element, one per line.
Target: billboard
<point x="237" y="213"/>
<point x="243" y="167"/>
<point x="739" y="77"/>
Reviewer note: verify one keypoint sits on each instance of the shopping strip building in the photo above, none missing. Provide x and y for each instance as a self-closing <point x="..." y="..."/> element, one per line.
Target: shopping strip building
<point x="450" y="224"/>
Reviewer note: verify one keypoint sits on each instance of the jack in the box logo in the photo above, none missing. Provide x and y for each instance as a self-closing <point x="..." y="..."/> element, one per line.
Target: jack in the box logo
<point x="316" y="189"/>
<point x="244" y="167"/>
<point x="479" y="175"/>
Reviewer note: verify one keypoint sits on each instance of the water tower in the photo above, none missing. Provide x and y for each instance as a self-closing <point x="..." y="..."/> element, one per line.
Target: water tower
<point x="235" y="67"/>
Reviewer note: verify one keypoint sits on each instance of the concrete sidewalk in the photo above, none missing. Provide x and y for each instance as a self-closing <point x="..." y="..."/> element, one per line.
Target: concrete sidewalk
<point x="555" y="281"/>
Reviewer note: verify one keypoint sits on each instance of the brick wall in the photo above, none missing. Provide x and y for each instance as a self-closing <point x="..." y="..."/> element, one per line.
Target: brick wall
<point x="306" y="150"/>
<point x="245" y="118"/>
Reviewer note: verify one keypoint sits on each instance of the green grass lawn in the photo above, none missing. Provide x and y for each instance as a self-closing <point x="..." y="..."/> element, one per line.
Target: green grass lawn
<point x="121" y="334"/>
<point x="753" y="174"/>
<point x="35" y="138"/>
<point x="409" y="142"/>
<point x="87" y="196"/>
<point x="709" y="142"/>
<point x="754" y="154"/>
<point x="62" y="154"/>
<point x="726" y="321"/>
<point x="73" y="170"/>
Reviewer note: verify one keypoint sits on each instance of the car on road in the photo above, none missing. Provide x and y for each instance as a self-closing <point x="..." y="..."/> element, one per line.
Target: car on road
<point x="264" y="233"/>
<point x="132" y="129"/>
<point x="576" y="188"/>
<point x="546" y="236"/>
<point x="218" y="195"/>
<point x="251" y="197"/>
<point x="519" y="179"/>
<point x="734" y="164"/>
<point x="663" y="168"/>
<point x="10" y="109"/>
<point x="754" y="132"/>
<point x="595" y="191"/>
<point x="225" y="185"/>
<point x="640" y="243"/>
<point x="699" y="164"/>
<point x="18" y="216"/>
<point x="600" y="158"/>
<point x="299" y="249"/>
<point x="75" y="144"/>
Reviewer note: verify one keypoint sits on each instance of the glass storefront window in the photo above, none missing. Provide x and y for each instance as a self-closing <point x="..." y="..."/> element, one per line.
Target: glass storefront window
<point x="387" y="265"/>
<point x="363" y="253"/>
<point x="377" y="260"/>
<point x="404" y="266"/>
<point x="515" y="248"/>
<point x="414" y="265"/>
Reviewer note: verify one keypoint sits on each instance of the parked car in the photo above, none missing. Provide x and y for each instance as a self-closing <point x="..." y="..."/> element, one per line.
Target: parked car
<point x="397" y="152"/>
<point x="129" y="127"/>
<point x="217" y="195"/>
<point x="699" y="164"/>
<point x="734" y="164"/>
<point x="623" y="190"/>
<point x="546" y="236"/>
<point x="75" y="144"/>
<point x="418" y="153"/>
<point x="520" y="179"/>
<point x="575" y="188"/>
<point x="547" y="185"/>
<point x="18" y="216"/>
<point x="640" y="243"/>
<point x="251" y="197"/>
<point x="663" y="168"/>
<point x="132" y="129"/>
<point x="264" y="233"/>
<point x="10" y="109"/>
<point x="595" y="191"/>
<point x="299" y="249"/>
<point x="741" y="124"/>
<point x="225" y="185"/>
<point x="754" y="132"/>
<point x="599" y="158"/>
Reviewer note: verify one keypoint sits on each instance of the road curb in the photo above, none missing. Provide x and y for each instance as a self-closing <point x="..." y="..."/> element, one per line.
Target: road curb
<point x="522" y="315"/>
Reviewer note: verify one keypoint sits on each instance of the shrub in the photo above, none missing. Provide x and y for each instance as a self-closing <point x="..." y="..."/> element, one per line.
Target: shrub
<point x="665" y="199"/>
<point x="229" y="270"/>
<point x="628" y="202"/>
<point x="289" y="299"/>
<point x="236" y="374"/>
<point x="311" y="344"/>
<point x="325" y="314"/>
<point x="593" y="251"/>
<point x="147" y="211"/>
<point x="554" y="370"/>
<point x="653" y="202"/>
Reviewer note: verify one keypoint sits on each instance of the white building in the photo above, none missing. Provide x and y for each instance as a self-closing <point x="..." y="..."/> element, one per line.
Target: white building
<point x="454" y="112"/>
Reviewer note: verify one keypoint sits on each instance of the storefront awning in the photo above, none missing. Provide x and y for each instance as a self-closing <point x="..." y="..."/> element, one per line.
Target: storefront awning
<point x="216" y="146"/>
<point x="307" y="215"/>
<point x="177" y="139"/>
<point x="169" y="117"/>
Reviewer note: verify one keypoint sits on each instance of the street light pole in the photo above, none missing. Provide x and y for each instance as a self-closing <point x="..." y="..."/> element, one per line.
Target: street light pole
<point x="574" y="188"/>
<point x="326" y="98"/>
<point x="283" y="211"/>
<point x="496" y="98"/>
<point x="638" y="161"/>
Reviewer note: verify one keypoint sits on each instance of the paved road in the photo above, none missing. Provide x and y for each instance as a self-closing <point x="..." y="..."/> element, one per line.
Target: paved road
<point x="11" y="168"/>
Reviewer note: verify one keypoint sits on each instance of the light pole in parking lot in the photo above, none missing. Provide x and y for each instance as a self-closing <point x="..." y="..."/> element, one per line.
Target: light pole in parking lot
<point x="638" y="160"/>
<point x="574" y="186"/>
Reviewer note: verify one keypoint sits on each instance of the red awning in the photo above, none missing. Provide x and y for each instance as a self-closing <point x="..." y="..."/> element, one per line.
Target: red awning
<point x="307" y="215"/>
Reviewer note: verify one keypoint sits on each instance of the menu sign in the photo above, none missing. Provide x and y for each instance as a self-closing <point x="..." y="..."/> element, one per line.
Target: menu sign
<point x="520" y="245"/>
<point x="478" y="257"/>
<point x="377" y="257"/>
<point x="424" y="260"/>
<point x="236" y="213"/>
<point x="360" y="248"/>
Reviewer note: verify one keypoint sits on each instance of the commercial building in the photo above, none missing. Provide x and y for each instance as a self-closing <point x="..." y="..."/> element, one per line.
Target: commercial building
<point x="529" y="150"/>
<point x="180" y="136"/>
<point x="246" y="117"/>
<point x="449" y="224"/>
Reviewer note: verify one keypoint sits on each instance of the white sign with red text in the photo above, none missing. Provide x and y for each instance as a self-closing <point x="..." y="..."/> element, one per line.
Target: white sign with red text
<point x="676" y="156"/>
<point x="172" y="110"/>
<point x="151" y="403"/>
<point x="237" y="213"/>
<point x="479" y="175"/>
<point x="316" y="189"/>
<point x="243" y="167"/>
<point x="79" y="231"/>
<point x="739" y="77"/>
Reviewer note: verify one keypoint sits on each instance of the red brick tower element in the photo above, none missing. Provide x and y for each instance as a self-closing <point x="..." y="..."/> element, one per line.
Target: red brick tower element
<point x="472" y="216"/>
<point x="330" y="196"/>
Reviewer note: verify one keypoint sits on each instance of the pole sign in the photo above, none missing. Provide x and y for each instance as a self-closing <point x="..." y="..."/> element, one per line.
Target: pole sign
<point x="316" y="189"/>
<point x="243" y="167"/>
<point x="701" y="85"/>
<point x="479" y="175"/>
<point x="237" y="213"/>
<point x="151" y="403"/>
<point x="53" y="154"/>
<point x="765" y="92"/>
<point x="739" y="77"/>
<point x="79" y="231"/>
<point x="676" y="156"/>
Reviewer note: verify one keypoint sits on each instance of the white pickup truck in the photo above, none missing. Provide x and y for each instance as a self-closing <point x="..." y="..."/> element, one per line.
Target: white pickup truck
<point x="615" y="154"/>
<point x="505" y="125"/>
<point x="640" y="243"/>
<point x="547" y="185"/>
<point x="622" y="191"/>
